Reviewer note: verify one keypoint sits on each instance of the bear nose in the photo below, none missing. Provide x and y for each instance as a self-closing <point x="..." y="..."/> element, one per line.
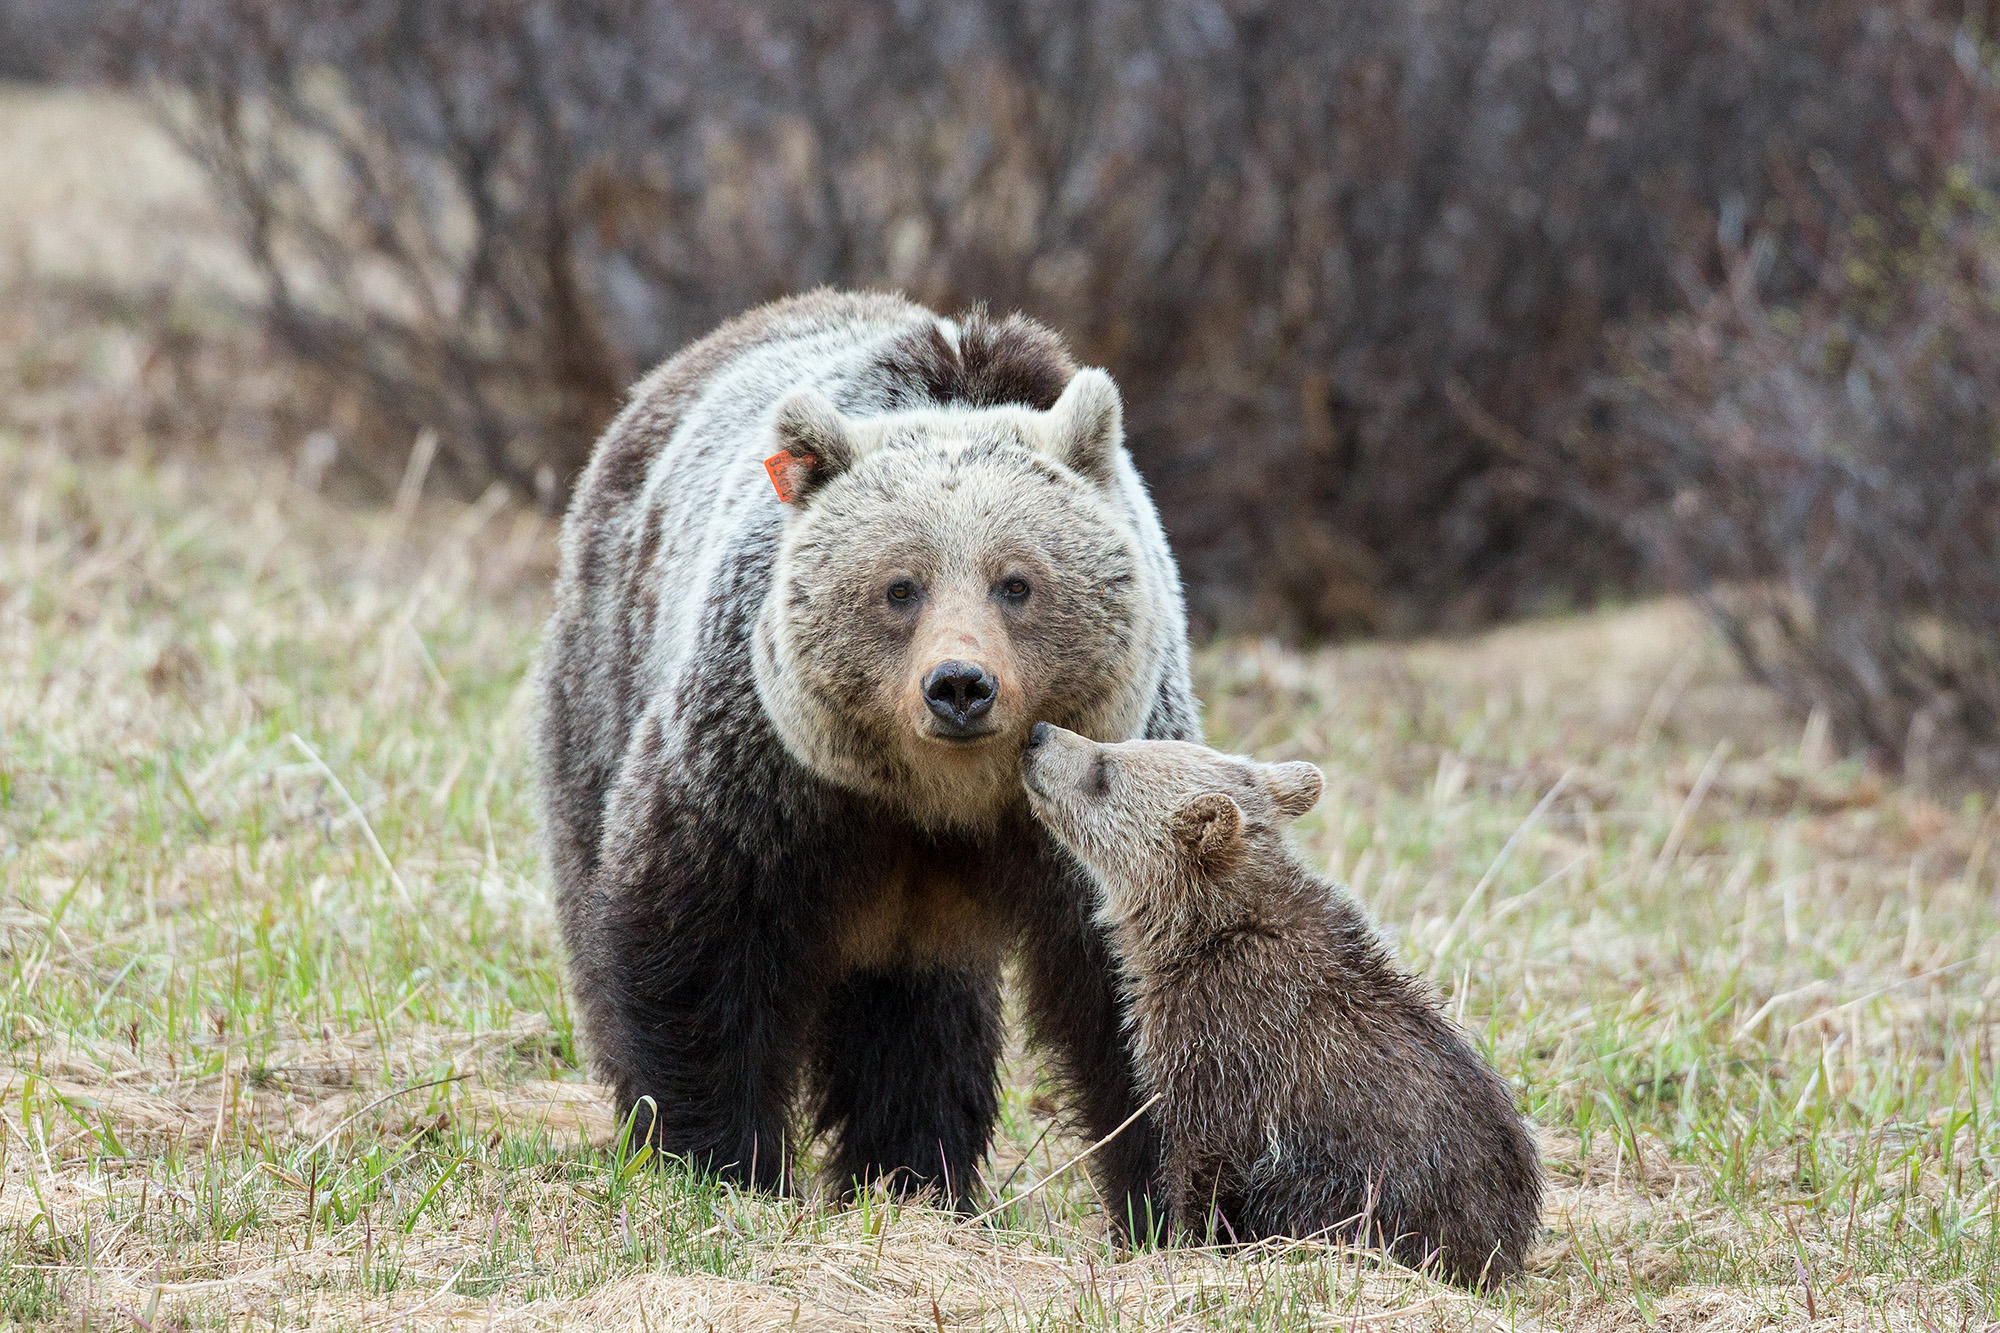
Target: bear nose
<point x="959" y="692"/>
<point x="1038" y="735"/>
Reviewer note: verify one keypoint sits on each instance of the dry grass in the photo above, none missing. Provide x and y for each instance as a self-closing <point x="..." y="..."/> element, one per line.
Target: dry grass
<point x="284" y="1042"/>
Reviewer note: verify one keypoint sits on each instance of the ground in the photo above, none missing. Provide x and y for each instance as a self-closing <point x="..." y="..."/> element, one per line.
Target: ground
<point x="281" y="1023"/>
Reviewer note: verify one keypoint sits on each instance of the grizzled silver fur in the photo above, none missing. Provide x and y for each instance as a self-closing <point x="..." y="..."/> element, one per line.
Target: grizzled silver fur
<point x="1307" y="1086"/>
<point x="777" y="872"/>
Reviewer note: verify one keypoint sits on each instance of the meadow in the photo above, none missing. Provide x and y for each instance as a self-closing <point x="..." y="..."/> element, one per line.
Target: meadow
<point x="283" y="1041"/>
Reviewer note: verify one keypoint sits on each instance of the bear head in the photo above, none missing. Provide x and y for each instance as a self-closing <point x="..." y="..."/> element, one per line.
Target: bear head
<point x="947" y="576"/>
<point x="1176" y="836"/>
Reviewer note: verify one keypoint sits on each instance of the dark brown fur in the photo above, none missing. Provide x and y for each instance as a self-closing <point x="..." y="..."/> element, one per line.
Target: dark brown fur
<point x="995" y="361"/>
<point x="1308" y="1085"/>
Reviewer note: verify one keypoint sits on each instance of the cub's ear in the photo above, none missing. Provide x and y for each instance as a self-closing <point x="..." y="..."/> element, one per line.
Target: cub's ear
<point x="1294" y="786"/>
<point x="815" y="445"/>
<point x="1209" y="826"/>
<point x="1086" y="426"/>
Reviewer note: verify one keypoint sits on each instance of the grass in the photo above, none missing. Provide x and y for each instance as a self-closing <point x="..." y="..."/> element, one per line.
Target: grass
<point x="283" y="1042"/>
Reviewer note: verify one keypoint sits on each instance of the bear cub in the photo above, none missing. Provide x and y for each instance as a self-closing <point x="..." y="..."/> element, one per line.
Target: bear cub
<point x="1306" y="1085"/>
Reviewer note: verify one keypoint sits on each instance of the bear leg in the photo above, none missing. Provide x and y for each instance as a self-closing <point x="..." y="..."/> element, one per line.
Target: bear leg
<point x="907" y="1074"/>
<point x="1076" y="1013"/>
<point x="696" y="1017"/>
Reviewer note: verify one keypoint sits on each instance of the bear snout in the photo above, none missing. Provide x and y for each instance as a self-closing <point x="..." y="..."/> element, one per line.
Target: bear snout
<point x="959" y="694"/>
<point x="1038" y="736"/>
<point x="1049" y="760"/>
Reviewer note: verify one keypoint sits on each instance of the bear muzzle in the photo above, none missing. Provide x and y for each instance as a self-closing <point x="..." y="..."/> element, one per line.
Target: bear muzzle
<point x="960" y="695"/>
<point x="1049" y="760"/>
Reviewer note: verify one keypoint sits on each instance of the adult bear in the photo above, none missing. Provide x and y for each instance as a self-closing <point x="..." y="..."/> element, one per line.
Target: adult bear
<point x="821" y="577"/>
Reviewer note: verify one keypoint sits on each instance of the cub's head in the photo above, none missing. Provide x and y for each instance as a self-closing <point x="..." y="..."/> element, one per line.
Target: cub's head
<point x="945" y="577"/>
<point x="1160" y="825"/>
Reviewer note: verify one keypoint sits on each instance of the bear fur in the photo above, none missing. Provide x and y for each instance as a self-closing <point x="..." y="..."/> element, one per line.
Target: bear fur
<point x="1307" y="1086"/>
<point x="780" y="738"/>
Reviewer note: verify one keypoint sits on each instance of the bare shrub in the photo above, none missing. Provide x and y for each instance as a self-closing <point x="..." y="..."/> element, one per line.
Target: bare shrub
<point x="49" y="39"/>
<point x="1353" y="264"/>
<point x="1824" y="473"/>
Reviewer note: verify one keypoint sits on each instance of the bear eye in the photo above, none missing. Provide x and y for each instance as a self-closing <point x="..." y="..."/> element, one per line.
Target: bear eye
<point x="902" y="590"/>
<point x="1014" y="589"/>
<point x="1100" y="775"/>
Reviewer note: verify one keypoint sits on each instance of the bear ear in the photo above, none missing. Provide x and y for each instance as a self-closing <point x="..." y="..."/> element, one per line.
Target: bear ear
<point x="1295" y="786"/>
<point x="1086" y="426"/>
<point x="815" y="445"/>
<point x="1209" y="827"/>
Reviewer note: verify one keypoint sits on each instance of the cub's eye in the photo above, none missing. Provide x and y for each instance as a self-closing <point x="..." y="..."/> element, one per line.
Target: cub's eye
<point x="902" y="591"/>
<point x="1014" y="589"/>
<point x="1100" y="776"/>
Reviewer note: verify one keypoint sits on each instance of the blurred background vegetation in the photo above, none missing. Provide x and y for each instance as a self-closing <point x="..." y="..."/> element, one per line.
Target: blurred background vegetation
<point x="1427" y="315"/>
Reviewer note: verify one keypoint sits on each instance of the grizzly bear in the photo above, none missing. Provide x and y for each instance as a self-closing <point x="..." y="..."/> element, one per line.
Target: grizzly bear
<point x="1306" y="1086"/>
<point x="821" y="576"/>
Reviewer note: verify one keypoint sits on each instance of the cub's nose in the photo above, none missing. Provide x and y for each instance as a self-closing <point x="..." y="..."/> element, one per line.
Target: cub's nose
<point x="1038" y="735"/>
<point x="959" y="692"/>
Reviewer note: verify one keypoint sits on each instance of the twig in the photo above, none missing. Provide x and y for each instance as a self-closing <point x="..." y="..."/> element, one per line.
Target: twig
<point x="423" y="452"/>
<point x="1671" y="848"/>
<point x="1381" y="1315"/>
<point x="1670" y="691"/>
<point x="327" y="1137"/>
<point x="1492" y="871"/>
<point x="1877" y="993"/>
<point x="1050" y="1177"/>
<point x="1749" y="1024"/>
<point x="1024" y="1159"/>
<point x="367" y="829"/>
<point x="430" y="1300"/>
<point x="1520" y="900"/>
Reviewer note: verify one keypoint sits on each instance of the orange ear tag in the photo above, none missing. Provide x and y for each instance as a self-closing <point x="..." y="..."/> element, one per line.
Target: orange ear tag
<point x="779" y="468"/>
